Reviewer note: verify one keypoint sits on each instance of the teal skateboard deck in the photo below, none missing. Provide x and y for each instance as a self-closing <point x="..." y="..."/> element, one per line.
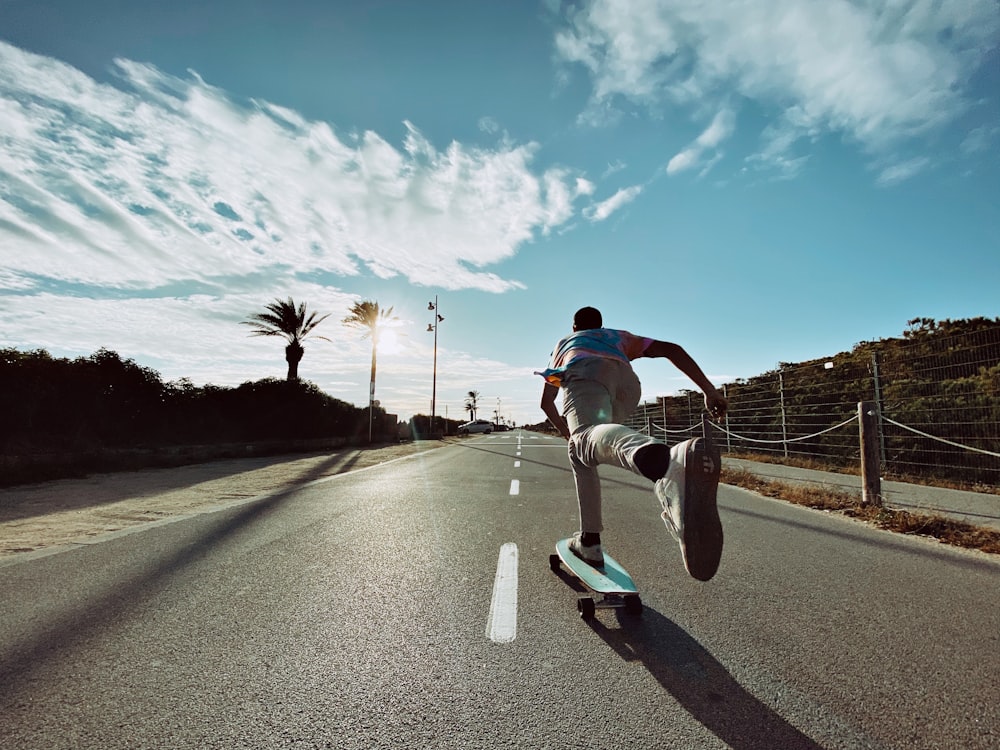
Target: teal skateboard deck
<point x="611" y="581"/>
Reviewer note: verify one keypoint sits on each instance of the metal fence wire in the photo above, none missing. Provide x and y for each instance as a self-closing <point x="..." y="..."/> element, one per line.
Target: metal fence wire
<point x="937" y="393"/>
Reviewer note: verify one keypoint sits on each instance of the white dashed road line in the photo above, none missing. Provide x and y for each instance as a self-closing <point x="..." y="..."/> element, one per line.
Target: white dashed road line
<point x="501" y="627"/>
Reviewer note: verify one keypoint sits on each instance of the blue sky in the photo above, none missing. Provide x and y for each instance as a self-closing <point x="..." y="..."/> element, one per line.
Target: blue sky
<point x="761" y="183"/>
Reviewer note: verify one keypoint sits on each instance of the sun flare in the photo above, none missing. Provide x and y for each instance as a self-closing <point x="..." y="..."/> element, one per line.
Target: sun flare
<point x="389" y="342"/>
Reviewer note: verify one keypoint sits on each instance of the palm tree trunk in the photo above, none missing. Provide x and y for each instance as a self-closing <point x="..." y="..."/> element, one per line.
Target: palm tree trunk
<point x="293" y="355"/>
<point x="371" y="395"/>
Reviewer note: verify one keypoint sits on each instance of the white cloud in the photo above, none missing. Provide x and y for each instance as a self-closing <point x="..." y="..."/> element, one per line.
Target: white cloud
<point x="489" y="125"/>
<point x="683" y="160"/>
<point x="879" y="72"/>
<point x="153" y="215"/>
<point x="197" y="336"/>
<point x="719" y="130"/>
<point x="775" y="155"/>
<point x="584" y="186"/>
<point x="169" y="179"/>
<point x="902" y="171"/>
<point x="613" y="167"/>
<point x="604" y="209"/>
<point x="979" y="140"/>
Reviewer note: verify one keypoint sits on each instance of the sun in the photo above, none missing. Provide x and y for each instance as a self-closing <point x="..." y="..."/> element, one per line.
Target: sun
<point x="389" y="342"/>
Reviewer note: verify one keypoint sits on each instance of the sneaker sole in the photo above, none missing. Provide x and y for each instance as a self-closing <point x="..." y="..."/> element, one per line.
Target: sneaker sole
<point x="701" y="542"/>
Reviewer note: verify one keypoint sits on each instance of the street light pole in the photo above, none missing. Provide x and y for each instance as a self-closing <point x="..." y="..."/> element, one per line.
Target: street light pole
<point x="433" y="326"/>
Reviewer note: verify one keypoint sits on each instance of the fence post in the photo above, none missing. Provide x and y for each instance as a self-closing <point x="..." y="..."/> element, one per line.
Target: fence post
<point x="878" y="406"/>
<point x="729" y="440"/>
<point x="784" y="420"/>
<point x="871" y="482"/>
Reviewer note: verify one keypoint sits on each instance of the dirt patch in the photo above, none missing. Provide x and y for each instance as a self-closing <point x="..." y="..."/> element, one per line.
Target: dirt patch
<point x="73" y="511"/>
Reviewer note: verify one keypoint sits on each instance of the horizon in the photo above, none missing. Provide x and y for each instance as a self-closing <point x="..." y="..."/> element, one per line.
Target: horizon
<point x="758" y="185"/>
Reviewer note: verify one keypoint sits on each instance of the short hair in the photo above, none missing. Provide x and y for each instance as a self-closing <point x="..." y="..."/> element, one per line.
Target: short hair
<point x="586" y="318"/>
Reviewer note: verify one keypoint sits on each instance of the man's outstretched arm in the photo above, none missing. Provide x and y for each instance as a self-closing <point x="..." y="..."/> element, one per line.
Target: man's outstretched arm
<point x="715" y="402"/>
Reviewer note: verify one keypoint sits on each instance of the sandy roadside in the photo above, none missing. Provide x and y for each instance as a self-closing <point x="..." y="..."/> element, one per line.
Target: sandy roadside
<point x="73" y="511"/>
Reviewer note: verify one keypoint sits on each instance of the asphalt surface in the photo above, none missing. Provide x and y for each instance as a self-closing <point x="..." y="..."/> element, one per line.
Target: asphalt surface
<point x="411" y="605"/>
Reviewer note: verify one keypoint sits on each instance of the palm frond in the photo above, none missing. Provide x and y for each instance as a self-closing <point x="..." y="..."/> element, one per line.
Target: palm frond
<point x="368" y="316"/>
<point x="284" y="318"/>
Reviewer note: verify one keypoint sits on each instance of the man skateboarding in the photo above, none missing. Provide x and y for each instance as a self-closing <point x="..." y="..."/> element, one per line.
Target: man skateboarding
<point x="592" y="367"/>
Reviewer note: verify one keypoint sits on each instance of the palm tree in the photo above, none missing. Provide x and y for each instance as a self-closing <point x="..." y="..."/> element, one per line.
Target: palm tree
<point x="472" y="397"/>
<point x="369" y="317"/>
<point x="283" y="318"/>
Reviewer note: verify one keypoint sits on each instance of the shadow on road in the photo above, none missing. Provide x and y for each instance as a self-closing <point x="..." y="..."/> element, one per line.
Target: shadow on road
<point x="696" y="680"/>
<point x="869" y="536"/>
<point x="93" y="611"/>
<point x="34" y="500"/>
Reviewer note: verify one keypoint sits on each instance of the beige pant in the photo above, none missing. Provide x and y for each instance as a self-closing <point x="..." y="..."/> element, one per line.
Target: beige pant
<point x="599" y="394"/>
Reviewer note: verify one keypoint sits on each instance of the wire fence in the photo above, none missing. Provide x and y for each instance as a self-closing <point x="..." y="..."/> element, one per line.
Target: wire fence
<point x="937" y="398"/>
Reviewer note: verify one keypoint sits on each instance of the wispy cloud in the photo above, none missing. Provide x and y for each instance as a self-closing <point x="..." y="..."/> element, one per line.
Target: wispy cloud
<point x="604" y="209"/>
<point x="777" y="155"/>
<point x="152" y="214"/>
<point x="979" y="140"/>
<point x="902" y="171"/>
<point x="877" y="73"/>
<point x="160" y="178"/>
<point x="718" y="131"/>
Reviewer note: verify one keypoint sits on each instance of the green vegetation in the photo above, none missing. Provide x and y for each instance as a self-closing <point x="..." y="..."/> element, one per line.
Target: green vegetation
<point x="91" y="407"/>
<point x="284" y="319"/>
<point x="941" y="379"/>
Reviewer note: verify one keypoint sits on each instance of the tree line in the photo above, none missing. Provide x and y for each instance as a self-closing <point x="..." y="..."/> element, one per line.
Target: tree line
<point x="52" y="403"/>
<point x="63" y="416"/>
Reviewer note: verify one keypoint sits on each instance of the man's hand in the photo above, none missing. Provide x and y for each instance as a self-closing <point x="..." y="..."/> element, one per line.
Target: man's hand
<point x="716" y="403"/>
<point x="552" y="411"/>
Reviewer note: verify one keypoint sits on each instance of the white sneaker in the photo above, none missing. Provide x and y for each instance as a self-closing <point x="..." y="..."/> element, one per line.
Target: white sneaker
<point x="592" y="554"/>
<point x="670" y="490"/>
<point x="687" y="493"/>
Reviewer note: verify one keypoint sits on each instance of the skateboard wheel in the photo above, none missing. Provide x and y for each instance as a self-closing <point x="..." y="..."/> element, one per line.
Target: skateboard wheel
<point x="633" y="604"/>
<point x="585" y="605"/>
<point x="554" y="563"/>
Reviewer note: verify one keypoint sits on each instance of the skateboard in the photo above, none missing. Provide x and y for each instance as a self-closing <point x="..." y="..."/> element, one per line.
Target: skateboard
<point x="612" y="582"/>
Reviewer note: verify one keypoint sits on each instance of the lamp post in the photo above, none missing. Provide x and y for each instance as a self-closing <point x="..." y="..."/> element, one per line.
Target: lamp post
<point x="433" y="326"/>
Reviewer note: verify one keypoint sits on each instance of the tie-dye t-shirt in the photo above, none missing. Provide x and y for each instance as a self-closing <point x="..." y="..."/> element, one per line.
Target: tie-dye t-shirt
<point x="594" y="342"/>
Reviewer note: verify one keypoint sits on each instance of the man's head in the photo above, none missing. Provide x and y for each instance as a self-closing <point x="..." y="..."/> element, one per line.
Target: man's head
<point x="586" y="318"/>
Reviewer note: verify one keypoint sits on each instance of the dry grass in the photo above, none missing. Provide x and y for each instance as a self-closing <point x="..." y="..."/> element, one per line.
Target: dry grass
<point x="800" y="462"/>
<point x="948" y="531"/>
<point x="855" y="470"/>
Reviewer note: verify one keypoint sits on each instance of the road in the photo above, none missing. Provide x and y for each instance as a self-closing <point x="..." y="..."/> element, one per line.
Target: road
<point x="410" y="605"/>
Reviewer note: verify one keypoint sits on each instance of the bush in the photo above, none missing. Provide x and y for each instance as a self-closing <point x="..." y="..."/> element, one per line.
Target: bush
<point x="53" y="405"/>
